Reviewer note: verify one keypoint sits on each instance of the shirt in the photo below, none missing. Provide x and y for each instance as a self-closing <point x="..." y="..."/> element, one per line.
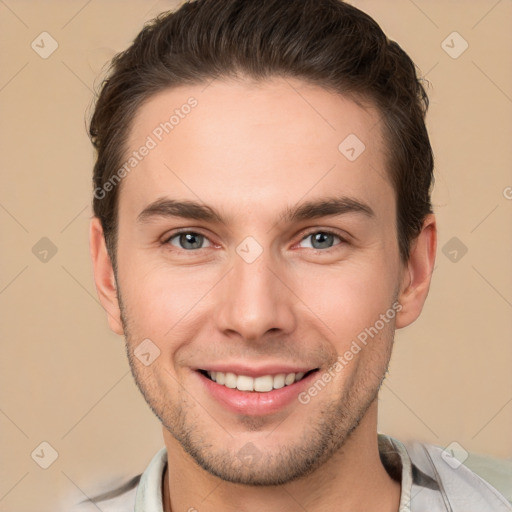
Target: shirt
<point x="432" y="480"/>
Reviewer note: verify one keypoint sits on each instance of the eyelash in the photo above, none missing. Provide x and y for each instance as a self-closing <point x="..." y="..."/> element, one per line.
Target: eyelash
<point x="305" y="235"/>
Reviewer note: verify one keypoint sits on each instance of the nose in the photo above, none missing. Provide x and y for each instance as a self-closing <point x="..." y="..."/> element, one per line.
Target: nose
<point x="254" y="300"/>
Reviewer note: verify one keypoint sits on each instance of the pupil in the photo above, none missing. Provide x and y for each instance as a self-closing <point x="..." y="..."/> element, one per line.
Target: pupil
<point x="190" y="241"/>
<point x="321" y="240"/>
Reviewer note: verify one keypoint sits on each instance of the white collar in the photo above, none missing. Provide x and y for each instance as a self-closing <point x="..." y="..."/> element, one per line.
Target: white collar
<point x="393" y="454"/>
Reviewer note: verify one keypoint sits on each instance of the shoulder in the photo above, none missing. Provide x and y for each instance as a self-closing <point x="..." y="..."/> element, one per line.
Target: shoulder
<point x="468" y="480"/>
<point x="497" y="472"/>
<point x="142" y="492"/>
<point x="118" y="499"/>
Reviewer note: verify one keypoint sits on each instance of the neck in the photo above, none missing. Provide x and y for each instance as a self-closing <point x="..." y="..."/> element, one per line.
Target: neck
<point x="352" y="479"/>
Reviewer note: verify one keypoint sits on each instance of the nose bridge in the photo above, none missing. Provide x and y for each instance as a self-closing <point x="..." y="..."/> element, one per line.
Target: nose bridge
<point x="254" y="301"/>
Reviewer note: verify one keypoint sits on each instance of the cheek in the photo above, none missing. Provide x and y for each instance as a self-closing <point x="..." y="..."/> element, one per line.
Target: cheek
<point x="348" y="298"/>
<point x="160" y="301"/>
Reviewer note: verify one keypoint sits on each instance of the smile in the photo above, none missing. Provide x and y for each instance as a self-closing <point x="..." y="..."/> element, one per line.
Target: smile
<point x="261" y="384"/>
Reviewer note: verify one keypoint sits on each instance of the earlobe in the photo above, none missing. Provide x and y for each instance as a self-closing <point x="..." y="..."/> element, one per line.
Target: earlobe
<point x="418" y="273"/>
<point x="104" y="277"/>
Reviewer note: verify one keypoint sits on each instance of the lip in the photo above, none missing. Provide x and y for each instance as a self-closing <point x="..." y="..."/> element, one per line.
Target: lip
<point x="254" y="403"/>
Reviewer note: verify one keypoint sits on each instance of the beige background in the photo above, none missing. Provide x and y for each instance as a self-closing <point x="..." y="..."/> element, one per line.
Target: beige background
<point x="64" y="375"/>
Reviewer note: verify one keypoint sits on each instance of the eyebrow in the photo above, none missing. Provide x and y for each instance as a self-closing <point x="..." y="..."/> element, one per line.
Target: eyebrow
<point x="331" y="206"/>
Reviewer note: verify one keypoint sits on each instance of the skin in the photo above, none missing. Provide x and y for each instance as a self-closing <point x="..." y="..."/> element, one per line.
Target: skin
<point x="250" y="151"/>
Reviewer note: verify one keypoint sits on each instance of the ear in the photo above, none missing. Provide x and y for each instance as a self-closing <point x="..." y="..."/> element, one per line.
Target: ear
<point x="418" y="273"/>
<point x="104" y="276"/>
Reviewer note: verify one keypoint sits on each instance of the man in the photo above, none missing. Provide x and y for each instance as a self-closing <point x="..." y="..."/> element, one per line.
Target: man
<point x="262" y="226"/>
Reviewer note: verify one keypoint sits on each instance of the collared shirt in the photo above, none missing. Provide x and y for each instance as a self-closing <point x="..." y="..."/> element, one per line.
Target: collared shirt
<point x="432" y="480"/>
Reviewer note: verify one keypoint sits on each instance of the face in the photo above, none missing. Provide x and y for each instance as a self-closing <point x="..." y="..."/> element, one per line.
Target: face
<point x="254" y="252"/>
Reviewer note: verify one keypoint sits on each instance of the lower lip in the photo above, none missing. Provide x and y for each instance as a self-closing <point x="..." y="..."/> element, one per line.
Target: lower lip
<point x="254" y="403"/>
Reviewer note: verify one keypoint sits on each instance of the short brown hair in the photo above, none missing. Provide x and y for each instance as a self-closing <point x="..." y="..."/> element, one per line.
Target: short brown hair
<point x="327" y="43"/>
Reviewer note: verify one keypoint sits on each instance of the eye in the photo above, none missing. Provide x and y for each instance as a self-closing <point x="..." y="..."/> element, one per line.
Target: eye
<point x="322" y="239"/>
<point x="188" y="240"/>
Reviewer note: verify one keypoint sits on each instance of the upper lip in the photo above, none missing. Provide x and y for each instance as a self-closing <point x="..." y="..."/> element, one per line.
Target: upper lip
<point x="253" y="371"/>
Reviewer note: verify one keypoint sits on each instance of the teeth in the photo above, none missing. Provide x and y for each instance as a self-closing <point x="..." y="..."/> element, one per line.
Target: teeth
<point x="279" y="381"/>
<point x="244" y="383"/>
<point x="230" y="380"/>
<point x="261" y="384"/>
<point x="289" y="379"/>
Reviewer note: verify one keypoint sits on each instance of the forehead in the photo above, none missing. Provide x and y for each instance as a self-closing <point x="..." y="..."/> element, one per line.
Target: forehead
<point x="245" y="144"/>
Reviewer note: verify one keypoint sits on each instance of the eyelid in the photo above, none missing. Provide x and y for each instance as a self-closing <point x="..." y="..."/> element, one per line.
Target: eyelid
<point x="169" y="236"/>
<point x="303" y="235"/>
<point x="328" y="231"/>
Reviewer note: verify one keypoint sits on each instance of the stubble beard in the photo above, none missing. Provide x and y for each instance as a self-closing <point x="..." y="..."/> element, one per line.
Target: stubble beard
<point x="320" y="439"/>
